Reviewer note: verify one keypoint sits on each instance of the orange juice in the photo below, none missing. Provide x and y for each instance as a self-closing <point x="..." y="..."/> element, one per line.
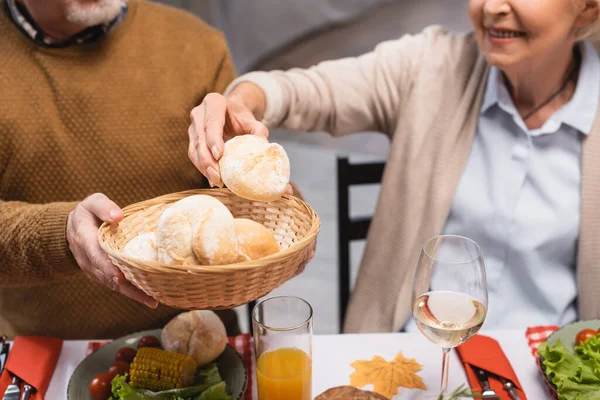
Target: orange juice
<point x="284" y="374"/>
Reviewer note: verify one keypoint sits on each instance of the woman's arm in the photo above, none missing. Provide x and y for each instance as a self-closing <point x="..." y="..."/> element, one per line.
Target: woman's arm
<point x="365" y="93"/>
<point x="343" y="96"/>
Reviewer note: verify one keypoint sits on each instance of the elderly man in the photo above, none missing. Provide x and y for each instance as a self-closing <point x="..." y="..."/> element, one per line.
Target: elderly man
<point x="96" y="96"/>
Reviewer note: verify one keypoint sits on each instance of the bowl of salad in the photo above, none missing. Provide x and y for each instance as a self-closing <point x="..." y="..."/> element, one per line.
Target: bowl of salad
<point x="136" y="367"/>
<point x="570" y="361"/>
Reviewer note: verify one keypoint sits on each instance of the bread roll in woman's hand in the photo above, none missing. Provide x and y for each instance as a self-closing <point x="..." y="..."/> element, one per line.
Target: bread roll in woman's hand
<point x="199" y="334"/>
<point x="255" y="169"/>
<point x="254" y="240"/>
<point x="197" y="229"/>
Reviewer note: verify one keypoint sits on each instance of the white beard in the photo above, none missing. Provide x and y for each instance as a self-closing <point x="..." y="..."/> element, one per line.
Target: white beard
<point x="90" y="14"/>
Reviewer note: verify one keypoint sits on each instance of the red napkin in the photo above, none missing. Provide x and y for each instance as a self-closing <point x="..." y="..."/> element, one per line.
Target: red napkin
<point x="486" y="353"/>
<point x="242" y="343"/>
<point x="33" y="359"/>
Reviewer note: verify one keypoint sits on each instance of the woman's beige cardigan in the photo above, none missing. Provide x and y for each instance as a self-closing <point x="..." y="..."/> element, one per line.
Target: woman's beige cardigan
<point x="425" y="92"/>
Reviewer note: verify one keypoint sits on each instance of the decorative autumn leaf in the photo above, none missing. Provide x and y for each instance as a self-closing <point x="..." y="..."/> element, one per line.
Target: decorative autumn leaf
<point x="386" y="376"/>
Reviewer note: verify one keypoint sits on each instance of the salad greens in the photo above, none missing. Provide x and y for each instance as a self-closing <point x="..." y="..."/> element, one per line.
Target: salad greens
<point x="208" y="386"/>
<point x="576" y="376"/>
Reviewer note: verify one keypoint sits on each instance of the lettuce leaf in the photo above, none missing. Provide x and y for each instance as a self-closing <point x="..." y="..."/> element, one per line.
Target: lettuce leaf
<point x="208" y="374"/>
<point x="215" y="392"/>
<point x="576" y="376"/>
<point x="209" y="386"/>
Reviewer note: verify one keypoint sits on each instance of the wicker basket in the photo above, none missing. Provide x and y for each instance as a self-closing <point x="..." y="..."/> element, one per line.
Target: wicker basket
<point x="294" y="224"/>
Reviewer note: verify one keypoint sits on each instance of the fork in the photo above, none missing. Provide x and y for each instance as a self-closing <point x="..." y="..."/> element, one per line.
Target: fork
<point x="13" y="391"/>
<point x="510" y="388"/>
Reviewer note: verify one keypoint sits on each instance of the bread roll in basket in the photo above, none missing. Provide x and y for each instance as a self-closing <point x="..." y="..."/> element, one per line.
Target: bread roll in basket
<point x="293" y="223"/>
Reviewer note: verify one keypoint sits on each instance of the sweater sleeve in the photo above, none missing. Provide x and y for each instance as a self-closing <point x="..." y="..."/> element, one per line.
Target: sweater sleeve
<point x="348" y="95"/>
<point x="33" y="243"/>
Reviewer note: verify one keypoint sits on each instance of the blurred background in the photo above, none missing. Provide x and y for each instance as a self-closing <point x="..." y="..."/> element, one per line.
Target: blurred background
<point x="282" y="34"/>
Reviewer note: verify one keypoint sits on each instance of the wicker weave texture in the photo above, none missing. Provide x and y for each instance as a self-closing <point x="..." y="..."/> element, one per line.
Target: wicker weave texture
<point x="293" y="222"/>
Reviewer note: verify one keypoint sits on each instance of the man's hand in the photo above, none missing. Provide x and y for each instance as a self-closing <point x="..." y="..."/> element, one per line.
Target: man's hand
<point x="82" y="234"/>
<point x="218" y="119"/>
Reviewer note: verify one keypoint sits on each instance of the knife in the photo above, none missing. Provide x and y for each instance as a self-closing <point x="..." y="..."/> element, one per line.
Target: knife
<point x="27" y="391"/>
<point x="4" y="347"/>
<point x="486" y="390"/>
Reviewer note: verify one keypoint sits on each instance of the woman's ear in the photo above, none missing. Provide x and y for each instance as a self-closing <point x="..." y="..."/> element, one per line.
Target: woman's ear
<point x="588" y="15"/>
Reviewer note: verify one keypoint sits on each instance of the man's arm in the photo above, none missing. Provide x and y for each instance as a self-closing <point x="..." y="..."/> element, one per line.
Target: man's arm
<point x="33" y="242"/>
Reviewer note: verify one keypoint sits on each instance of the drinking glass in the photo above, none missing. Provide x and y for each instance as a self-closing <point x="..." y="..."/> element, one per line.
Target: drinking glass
<point x="449" y="296"/>
<point x="283" y="347"/>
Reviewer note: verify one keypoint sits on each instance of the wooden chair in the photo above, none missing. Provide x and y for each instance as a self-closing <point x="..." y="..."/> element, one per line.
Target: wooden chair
<point x="250" y="308"/>
<point x="351" y="229"/>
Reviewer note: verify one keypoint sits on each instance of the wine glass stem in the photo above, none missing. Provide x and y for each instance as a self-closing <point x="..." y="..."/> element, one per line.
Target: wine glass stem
<point x="445" y="364"/>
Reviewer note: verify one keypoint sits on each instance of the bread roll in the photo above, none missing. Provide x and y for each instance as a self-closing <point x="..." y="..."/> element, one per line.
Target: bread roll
<point x="197" y="229"/>
<point x="142" y="247"/>
<point x="254" y="240"/>
<point x="199" y="334"/>
<point x="349" y="393"/>
<point x="255" y="169"/>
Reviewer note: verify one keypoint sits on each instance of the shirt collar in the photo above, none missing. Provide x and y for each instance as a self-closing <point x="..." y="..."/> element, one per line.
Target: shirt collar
<point x="579" y="113"/>
<point x="92" y="34"/>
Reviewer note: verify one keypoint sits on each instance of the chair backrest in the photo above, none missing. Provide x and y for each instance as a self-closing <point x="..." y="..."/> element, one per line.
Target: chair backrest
<point x="249" y="309"/>
<point x="350" y="229"/>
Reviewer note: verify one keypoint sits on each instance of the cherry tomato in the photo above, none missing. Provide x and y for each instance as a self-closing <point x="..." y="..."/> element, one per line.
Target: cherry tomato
<point x="149" y="341"/>
<point x="584" y="335"/>
<point x="126" y="354"/>
<point x="118" y="368"/>
<point x="100" y="388"/>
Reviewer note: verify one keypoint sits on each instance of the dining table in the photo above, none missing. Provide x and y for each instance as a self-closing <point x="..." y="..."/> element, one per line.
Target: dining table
<point x="333" y="355"/>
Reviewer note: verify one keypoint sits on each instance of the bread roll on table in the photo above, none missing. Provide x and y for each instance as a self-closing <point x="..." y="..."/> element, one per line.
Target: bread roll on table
<point x="255" y="169"/>
<point x="199" y="334"/>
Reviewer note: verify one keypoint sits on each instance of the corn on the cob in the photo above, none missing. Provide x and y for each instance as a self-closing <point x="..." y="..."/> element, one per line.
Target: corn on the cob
<point x="156" y="369"/>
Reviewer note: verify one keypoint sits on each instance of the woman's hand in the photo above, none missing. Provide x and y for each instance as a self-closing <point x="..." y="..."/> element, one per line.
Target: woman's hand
<point x="82" y="234"/>
<point x="218" y="119"/>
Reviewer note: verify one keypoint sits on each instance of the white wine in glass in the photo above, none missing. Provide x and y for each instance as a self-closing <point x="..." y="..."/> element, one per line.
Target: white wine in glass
<point x="449" y="297"/>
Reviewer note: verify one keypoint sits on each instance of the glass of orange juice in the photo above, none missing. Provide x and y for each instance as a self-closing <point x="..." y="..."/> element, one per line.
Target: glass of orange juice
<point x="283" y="347"/>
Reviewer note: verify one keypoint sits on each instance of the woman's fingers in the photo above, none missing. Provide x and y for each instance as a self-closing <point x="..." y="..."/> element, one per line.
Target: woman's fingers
<point x="215" y="120"/>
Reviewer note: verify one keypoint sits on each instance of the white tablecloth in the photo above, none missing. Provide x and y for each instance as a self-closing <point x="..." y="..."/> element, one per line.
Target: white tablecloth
<point x="333" y="354"/>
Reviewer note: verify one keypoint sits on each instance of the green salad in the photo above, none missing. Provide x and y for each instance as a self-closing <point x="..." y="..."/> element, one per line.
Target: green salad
<point x="576" y="376"/>
<point x="208" y="386"/>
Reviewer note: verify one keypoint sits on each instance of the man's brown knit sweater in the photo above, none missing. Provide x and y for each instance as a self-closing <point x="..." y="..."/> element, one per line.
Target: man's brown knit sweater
<point x="110" y="117"/>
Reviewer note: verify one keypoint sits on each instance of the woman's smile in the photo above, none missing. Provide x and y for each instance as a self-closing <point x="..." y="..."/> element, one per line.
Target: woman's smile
<point x="504" y="36"/>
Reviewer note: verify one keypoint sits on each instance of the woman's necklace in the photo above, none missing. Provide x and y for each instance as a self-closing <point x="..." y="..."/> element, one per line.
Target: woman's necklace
<point x="563" y="86"/>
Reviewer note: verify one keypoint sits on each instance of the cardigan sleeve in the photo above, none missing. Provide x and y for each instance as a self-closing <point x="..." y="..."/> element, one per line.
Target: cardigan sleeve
<point x="348" y="95"/>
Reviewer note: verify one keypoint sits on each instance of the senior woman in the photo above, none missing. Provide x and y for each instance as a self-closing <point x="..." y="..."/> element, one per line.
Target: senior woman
<point x="494" y="135"/>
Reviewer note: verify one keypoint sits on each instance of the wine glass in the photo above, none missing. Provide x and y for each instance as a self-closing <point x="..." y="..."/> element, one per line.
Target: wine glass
<point x="449" y="296"/>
